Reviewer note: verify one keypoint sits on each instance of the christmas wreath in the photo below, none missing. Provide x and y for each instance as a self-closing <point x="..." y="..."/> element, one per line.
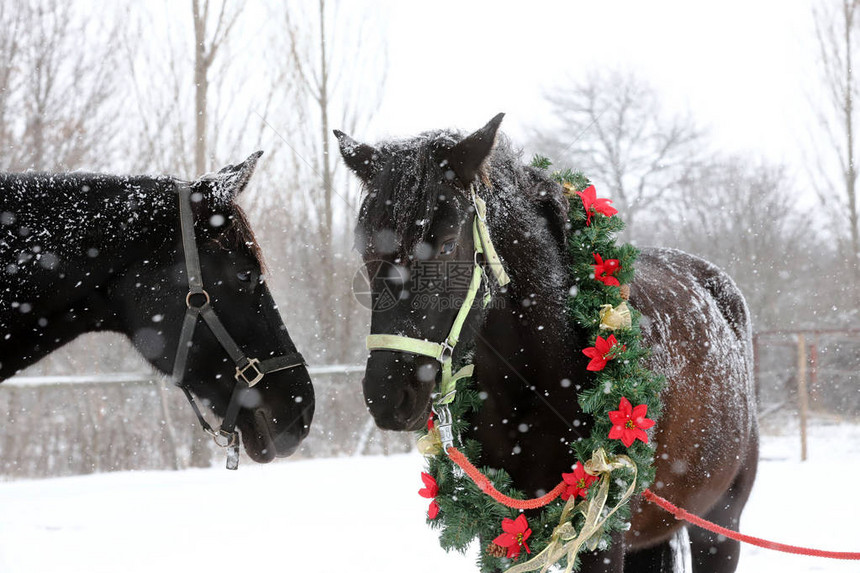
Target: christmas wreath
<point x="612" y="464"/>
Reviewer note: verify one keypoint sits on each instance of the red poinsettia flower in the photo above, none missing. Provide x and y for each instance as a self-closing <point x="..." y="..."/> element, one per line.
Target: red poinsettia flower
<point x="577" y="482"/>
<point x="593" y="204"/>
<point x="629" y="423"/>
<point x="604" y="350"/>
<point x="430" y="491"/>
<point x="516" y="532"/>
<point x="603" y="270"/>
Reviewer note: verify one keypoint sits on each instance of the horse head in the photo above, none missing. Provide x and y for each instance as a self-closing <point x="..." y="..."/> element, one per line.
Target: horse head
<point x="153" y="298"/>
<point x="416" y="234"/>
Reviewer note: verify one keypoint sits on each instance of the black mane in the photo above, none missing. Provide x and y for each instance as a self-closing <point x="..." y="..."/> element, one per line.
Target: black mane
<point x="240" y="235"/>
<point x="64" y="214"/>
<point x="75" y="203"/>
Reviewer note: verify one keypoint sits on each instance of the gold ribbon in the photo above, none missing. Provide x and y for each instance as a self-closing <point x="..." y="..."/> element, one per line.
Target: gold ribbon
<point x="430" y="444"/>
<point x="569" y="190"/>
<point x="614" y="318"/>
<point x="565" y="542"/>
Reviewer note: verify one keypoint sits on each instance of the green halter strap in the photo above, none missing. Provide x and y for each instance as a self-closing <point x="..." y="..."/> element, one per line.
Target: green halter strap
<point x="443" y="352"/>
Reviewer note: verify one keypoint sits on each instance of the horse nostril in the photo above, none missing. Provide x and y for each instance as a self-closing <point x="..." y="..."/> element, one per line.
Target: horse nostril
<point x="260" y="417"/>
<point x="406" y="402"/>
<point x="263" y="417"/>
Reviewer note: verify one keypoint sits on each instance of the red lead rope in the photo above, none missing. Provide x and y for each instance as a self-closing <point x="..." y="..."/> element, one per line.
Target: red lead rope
<point x="486" y="486"/>
<point x="714" y="528"/>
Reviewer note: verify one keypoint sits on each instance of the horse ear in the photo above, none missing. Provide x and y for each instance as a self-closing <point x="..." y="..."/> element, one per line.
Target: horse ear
<point x="362" y="159"/>
<point x="468" y="157"/>
<point x="232" y="179"/>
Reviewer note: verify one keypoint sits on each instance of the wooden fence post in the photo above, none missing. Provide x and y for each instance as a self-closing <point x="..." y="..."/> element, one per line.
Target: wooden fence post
<point x="802" y="398"/>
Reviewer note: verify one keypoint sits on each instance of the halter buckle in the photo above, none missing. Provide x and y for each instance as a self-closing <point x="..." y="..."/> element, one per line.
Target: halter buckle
<point x="257" y="374"/>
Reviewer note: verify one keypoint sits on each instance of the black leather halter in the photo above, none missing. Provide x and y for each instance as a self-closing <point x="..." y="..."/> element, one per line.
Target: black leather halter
<point x="249" y="371"/>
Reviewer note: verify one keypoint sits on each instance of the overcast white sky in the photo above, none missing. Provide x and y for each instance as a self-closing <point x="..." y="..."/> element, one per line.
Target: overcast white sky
<point x="742" y="68"/>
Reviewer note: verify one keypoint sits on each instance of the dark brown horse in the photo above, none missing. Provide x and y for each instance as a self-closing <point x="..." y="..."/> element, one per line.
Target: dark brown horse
<point x="528" y="360"/>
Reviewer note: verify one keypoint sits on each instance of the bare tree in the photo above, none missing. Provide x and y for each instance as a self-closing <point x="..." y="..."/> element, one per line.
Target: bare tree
<point x="315" y="77"/>
<point x="166" y="75"/>
<point x="58" y="108"/>
<point x="836" y="168"/>
<point x="205" y="50"/>
<point x="612" y="127"/>
<point x="10" y="45"/>
<point x="340" y="91"/>
<point x="741" y="216"/>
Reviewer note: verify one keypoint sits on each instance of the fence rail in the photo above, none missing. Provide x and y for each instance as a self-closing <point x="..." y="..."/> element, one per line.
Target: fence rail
<point x="69" y="425"/>
<point x="149" y="376"/>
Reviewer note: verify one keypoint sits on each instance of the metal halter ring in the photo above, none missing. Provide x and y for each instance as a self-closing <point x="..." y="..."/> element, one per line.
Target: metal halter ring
<point x="232" y="438"/>
<point x="192" y="293"/>
<point x="475" y="259"/>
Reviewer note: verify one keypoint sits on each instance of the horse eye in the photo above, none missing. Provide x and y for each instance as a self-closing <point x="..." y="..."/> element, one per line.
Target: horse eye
<point x="244" y="276"/>
<point x="448" y="247"/>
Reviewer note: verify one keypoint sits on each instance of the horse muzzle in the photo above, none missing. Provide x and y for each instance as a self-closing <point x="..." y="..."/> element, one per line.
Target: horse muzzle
<point x="398" y="390"/>
<point x="267" y="435"/>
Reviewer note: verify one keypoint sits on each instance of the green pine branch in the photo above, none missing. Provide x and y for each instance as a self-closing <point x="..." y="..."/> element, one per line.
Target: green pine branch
<point x="466" y="512"/>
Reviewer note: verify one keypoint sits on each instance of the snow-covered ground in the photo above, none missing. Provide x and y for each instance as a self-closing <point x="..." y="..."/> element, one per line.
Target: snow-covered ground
<point x="361" y="514"/>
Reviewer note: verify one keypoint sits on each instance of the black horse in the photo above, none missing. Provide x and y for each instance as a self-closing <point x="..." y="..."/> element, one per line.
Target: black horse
<point x="83" y="252"/>
<point x="528" y="359"/>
